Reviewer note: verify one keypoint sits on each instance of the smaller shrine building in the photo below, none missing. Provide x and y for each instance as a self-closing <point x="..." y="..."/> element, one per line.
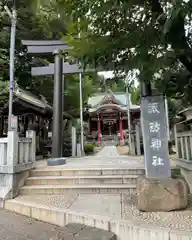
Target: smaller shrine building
<point x="108" y="115"/>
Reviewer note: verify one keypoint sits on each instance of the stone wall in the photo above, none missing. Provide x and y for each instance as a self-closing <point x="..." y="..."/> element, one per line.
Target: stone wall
<point x="10" y="185"/>
<point x="186" y="172"/>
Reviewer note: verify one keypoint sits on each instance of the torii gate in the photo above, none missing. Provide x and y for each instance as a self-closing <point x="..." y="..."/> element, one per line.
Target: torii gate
<point x="57" y="69"/>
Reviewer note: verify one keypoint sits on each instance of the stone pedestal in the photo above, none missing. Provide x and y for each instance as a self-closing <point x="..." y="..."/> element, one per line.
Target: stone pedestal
<point x="161" y="195"/>
<point x="74" y="141"/>
<point x="79" y="153"/>
<point x="56" y="161"/>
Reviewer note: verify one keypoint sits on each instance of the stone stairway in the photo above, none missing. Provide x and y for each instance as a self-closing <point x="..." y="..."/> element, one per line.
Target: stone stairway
<point x="82" y="181"/>
<point x="88" y="190"/>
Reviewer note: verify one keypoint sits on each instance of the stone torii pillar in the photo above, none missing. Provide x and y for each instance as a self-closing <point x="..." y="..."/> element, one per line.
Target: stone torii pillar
<point x="57" y="137"/>
<point x="50" y="70"/>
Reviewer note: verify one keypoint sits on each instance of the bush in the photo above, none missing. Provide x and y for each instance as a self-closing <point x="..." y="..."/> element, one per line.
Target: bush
<point x="170" y="146"/>
<point x="89" y="148"/>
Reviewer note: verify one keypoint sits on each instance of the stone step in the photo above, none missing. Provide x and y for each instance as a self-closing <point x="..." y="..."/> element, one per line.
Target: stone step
<point x="85" y="189"/>
<point x="124" y="229"/>
<point x="87" y="172"/>
<point x="87" y="180"/>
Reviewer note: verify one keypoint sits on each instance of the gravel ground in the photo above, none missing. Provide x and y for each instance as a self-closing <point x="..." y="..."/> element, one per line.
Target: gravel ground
<point x="16" y="227"/>
<point x="115" y="206"/>
<point x="181" y="220"/>
<point x="60" y="201"/>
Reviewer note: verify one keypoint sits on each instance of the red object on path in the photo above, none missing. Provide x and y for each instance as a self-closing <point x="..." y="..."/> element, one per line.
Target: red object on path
<point x="121" y="129"/>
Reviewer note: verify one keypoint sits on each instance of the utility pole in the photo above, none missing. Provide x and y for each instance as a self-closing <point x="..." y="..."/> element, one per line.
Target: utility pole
<point x="81" y="113"/>
<point x="167" y="117"/>
<point x="13" y="17"/>
<point x="81" y="100"/>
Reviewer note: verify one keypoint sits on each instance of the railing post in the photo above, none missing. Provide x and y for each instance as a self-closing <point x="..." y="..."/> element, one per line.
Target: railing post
<point x="138" y="145"/>
<point x="176" y="140"/>
<point x="32" y="134"/>
<point x="186" y="148"/>
<point x="133" y="146"/>
<point x="74" y="141"/>
<point x="12" y="150"/>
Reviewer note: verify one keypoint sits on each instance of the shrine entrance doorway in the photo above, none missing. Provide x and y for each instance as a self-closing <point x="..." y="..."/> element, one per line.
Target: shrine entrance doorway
<point x="109" y="127"/>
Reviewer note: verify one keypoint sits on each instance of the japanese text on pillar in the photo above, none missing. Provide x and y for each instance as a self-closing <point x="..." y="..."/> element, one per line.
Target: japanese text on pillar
<point x="154" y="127"/>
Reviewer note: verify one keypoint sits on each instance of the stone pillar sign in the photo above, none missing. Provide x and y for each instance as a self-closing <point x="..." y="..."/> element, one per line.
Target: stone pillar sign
<point x="154" y="126"/>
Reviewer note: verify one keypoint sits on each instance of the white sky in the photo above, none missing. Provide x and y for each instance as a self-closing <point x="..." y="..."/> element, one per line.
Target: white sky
<point x="110" y="74"/>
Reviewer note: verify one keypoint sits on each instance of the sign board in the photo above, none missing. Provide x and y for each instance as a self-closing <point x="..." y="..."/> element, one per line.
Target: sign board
<point x="13" y="124"/>
<point x="154" y="127"/>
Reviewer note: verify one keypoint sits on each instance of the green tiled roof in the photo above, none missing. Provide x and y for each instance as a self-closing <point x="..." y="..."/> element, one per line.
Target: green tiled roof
<point x="94" y="100"/>
<point x="119" y="97"/>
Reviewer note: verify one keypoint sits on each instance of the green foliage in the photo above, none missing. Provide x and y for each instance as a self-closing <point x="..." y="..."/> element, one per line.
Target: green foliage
<point x="89" y="149"/>
<point x="174" y="106"/>
<point x="39" y="22"/>
<point x="170" y="146"/>
<point x="149" y="36"/>
<point x="135" y="95"/>
<point x="4" y="94"/>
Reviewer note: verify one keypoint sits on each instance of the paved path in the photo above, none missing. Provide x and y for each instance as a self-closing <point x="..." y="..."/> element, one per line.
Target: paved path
<point x="108" y="151"/>
<point x="106" y="158"/>
<point x="16" y="227"/>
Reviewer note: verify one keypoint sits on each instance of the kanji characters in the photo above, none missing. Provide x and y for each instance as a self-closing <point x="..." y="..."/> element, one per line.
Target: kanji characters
<point x="153" y="108"/>
<point x="156" y="144"/>
<point x="154" y="127"/>
<point x="157" y="161"/>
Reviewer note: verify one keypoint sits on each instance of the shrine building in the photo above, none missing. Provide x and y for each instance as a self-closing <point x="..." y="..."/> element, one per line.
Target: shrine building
<point x="108" y="115"/>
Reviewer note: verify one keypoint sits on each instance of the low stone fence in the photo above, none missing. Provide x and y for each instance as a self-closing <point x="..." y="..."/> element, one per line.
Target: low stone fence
<point x="184" y="145"/>
<point x="17" y="156"/>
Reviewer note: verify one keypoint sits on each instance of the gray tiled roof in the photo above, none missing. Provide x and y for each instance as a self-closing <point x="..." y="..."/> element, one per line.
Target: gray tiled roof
<point x="30" y="98"/>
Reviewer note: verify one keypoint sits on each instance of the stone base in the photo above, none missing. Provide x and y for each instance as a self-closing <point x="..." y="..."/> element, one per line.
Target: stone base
<point x="80" y="231"/>
<point x="11" y="184"/>
<point x="56" y="161"/>
<point x="186" y="171"/>
<point x="161" y="195"/>
<point x="122" y="142"/>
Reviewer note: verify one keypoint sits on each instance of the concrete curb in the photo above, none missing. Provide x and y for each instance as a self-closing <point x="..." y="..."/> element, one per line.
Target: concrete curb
<point x="124" y="229"/>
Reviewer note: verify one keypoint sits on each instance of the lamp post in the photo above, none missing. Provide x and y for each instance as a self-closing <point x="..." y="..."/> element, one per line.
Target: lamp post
<point x="13" y="17"/>
<point x="81" y="98"/>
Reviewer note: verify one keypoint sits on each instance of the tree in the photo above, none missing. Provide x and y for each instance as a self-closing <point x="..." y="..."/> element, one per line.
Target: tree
<point x="135" y="95"/>
<point x="36" y="22"/>
<point x="29" y="26"/>
<point x="144" y="34"/>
